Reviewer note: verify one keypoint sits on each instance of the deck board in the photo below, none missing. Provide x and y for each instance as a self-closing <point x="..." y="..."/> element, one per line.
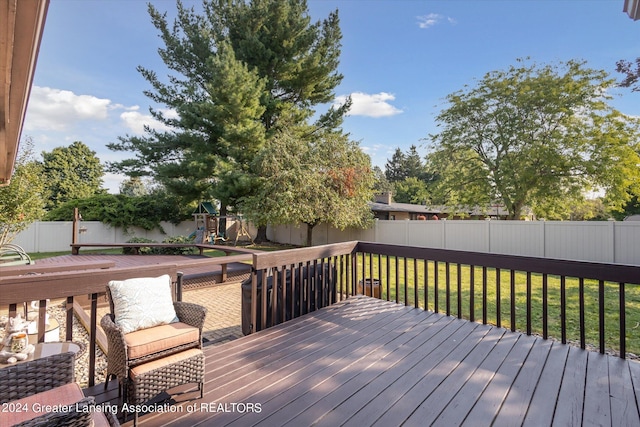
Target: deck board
<point x="369" y="362"/>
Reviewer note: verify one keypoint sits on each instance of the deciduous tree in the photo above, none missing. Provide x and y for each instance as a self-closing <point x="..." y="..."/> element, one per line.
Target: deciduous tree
<point x="22" y="201"/>
<point x="324" y="180"/>
<point x="535" y="135"/>
<point x="72" y="172"/>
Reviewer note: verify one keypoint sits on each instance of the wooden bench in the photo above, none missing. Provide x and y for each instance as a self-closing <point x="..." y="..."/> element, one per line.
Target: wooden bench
<point x="75" y="247"/>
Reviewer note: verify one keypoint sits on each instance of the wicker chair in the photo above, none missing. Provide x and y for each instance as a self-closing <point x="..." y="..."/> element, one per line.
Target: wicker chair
<point x="49" y="380"/>
<point x="143" y="370"/>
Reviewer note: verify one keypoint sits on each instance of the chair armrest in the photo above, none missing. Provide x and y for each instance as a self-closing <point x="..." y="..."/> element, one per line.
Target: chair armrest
<point x="117" y="361"/>
<point x="35" y="376"/>
<point x="191" y="314"/>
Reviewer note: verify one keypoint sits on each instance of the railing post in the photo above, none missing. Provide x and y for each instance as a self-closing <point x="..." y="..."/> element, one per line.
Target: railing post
<point x="92" y="339"/>
<point x="179" y="278"/>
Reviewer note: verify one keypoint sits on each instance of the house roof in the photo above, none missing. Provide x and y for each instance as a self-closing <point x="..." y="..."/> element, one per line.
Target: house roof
<point x="21" y="26"/>
<point x="431" y="210"/>
<point x="632" y="8"/>
<point x="403" y="207"/>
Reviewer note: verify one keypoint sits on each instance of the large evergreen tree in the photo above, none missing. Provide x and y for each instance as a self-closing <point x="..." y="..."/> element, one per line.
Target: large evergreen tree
<point x="241" y="71"/>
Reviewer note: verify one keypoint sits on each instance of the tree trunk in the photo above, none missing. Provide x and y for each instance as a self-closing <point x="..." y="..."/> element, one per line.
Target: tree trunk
<point x="309" y="234"/>
<point x="261" y="237"/>
<point x="222" y="225"/>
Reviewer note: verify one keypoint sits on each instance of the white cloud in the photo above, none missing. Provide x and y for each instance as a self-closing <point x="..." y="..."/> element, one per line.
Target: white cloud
<point x="370" y="105"/>
<point x="56" y="109"/>
<point x="136" y="121"/>
<point x="428" y="21"/>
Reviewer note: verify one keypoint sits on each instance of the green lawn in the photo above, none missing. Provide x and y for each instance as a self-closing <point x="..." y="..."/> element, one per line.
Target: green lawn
<point x="463" y="273"/>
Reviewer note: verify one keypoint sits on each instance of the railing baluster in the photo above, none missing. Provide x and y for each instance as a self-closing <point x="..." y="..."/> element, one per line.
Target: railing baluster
<point x="416" y="303"/>
<point x="370" y="275"/>
<point x="484" y="295"/>
<point x="472" y="299"/>
<point x="459" y="289"/>
<point x="447" y="283"/>
<point x="69" y="322"/>
<point x="388" y="276"/>
<point x="512" y="298"/>
<point x="581" y="308"/>
<point x="406" y="281"/>
<point x="283" y="284"/>
<point x="528" y="303"/>
<point x="364" y="272"/>
<point x="563" y="308"/>
<point x="623" y="322"/>
<point x="498" y="300"/>
<point x="354" y="274"/>
<point x="426" y="284"/>
<point x="601" y="314"/>
<point x="42" y="319"/>
<point x="92" y="339"/>
<point x="263" y="308"/>
<point x="545" y="307"/>
<point x="380" y="275"/>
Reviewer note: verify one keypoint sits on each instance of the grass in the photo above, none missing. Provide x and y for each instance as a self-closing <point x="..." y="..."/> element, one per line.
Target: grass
<point x="410" y="272"/>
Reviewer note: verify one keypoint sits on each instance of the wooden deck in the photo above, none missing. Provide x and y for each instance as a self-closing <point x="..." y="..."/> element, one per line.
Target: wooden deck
<point x="365" y="362"/>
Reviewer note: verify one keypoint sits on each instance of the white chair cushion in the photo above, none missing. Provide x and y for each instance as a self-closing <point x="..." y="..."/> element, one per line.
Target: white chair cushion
<point x="143" y="302"/>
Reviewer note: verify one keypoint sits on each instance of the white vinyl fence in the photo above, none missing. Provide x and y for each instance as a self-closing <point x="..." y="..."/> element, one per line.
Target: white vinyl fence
<point x="598" y="241"/>
<point x="607" y="241"/>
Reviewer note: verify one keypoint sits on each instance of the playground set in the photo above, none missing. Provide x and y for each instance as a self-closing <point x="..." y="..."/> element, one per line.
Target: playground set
<point x="208" y="226"/>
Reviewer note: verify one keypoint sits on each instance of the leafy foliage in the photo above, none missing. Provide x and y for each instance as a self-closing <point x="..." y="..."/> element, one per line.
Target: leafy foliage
<point x="118" y="210"/>
<point x="72" y="172"/>
<point x="538" y="136"/>
<point x="160" y="251"/>
<point x="22" y="200"/>
<point x="327" y="179"/>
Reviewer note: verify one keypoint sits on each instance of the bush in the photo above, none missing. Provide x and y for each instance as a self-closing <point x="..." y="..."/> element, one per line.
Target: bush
<point x="161" y="251"/>
<point x="143" y="250"/>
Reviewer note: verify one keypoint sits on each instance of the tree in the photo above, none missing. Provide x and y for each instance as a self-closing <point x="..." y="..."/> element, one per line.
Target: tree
<point x="411" y="190"/>
<point x="394" y="169"/>
<point x="22" y="201"/>
<point x="72" y="172"/>
<point x="631" y="73"/>
<point x="325" y="180"/>
<point x="242" y="71"/>
<point x="413" y="165"/>
<point x="133" y="187"/>
<point x="381" y="185"/>
<point x="118" y="210"/>
<point x="535" y="135"/>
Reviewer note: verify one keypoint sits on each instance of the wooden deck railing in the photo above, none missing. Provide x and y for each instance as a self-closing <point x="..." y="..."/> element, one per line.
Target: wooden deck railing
<point x="589" y="303"/>
<point x="581" y="302"/>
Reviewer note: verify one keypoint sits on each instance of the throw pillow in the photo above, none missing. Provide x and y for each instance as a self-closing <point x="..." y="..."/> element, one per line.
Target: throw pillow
<point x="143" y="302"/>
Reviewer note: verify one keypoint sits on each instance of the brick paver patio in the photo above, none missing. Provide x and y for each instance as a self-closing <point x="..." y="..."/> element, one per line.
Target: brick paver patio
<point x="224" y="318"/>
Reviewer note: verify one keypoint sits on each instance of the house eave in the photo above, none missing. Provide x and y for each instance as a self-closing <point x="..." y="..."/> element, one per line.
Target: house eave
<point x="21" y="27"/>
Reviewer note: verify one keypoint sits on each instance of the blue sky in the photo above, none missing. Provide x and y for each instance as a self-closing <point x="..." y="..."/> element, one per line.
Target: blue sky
<point x="400" y="59"/>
